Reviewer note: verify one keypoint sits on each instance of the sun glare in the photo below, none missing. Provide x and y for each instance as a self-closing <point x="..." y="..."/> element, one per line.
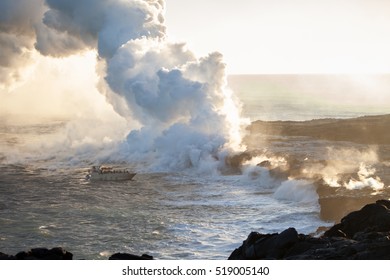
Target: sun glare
<point x="56" y="87"/>
<point x="288" y="37"/>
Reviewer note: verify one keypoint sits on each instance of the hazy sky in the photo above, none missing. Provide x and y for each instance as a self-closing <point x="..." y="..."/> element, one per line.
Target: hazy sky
<point x="287" y="36"/>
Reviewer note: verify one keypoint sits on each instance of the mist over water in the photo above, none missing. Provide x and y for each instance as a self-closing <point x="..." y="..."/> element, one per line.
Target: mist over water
<point x="99" y="82"/>
<point x="315" y="96"/>
<point x="91" y="82"/>
<point x="166" y="105"/>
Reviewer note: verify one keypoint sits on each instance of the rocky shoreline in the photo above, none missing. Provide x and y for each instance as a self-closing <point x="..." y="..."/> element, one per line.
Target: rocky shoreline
<point x="59" y="253"/>
<point x="364" y="130"/>
<point x="360" y="235"/>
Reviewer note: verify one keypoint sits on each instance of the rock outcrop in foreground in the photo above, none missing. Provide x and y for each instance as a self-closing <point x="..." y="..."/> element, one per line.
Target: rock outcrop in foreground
<point x="61" y="254"/>
<point x="126" y="256"/>
<point x="361" y="235"/>
<point x="40" y="254"/>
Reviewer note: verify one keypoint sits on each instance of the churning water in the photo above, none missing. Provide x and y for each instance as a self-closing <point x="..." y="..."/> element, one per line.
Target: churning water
<point x="46" y="201"/>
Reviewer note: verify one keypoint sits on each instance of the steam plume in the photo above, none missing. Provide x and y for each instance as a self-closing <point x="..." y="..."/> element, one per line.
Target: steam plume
<point x="17" y="36"/>
<point x="186" y="116"/>
<point x="344" y="161"/>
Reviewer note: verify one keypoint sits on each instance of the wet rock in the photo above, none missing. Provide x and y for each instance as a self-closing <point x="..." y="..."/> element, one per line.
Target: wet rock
<point x="373" y="217"/>
<point x="270" y="246"/>
<point x="126" y="256"/>
<point x="45" y="254"/>
<point x="362" y="235"/>
<point x="59" y="253"/>
<point x="234" y="162"/>
<point x="6" y="257"/>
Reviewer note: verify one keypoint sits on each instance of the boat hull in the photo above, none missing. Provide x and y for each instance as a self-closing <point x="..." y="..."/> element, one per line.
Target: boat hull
<point x="103" y="173"/>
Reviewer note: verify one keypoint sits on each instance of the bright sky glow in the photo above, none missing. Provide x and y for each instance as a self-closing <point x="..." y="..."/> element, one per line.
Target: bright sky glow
<point x="287" y="36"/>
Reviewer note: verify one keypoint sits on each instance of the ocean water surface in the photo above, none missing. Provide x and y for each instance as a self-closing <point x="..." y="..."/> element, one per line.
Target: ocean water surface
<point x="46" y="201"/>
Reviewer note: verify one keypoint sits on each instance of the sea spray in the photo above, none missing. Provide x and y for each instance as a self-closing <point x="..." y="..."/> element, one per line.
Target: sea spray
<point x="300" y="191"/>
<point x="350" y="168"/>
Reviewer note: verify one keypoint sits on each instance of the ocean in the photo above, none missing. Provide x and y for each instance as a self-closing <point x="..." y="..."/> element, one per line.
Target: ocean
<point x="46" y="200"/>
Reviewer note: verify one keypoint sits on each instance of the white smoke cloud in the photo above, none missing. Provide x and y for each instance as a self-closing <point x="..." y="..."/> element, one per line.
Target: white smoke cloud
<point x="182" y="113"/>
<point x="178" y="99"/>
<point x="366" y="179"/>
<point x="341" y="164"/>
<point x="60" y="28"/>
<point x="105" y="25"/>
<point x="17" y="36"/>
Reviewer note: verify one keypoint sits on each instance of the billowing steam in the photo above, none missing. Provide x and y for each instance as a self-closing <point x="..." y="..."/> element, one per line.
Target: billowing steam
<point x="365" y="179"/>
<point x="179" y="112"/>
<point x="142" y="98"/>
<point x="17" y="33"/>
<point x="349" y="168"/>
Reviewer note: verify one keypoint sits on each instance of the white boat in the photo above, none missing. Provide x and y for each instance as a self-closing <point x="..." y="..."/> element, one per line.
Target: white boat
<point x="99" y="173"/>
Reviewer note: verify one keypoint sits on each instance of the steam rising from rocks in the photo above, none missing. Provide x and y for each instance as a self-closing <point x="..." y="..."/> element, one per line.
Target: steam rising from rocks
<point x="341" y="163"/>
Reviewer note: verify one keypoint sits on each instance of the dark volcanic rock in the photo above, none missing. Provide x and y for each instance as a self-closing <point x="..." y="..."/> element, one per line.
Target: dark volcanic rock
<point x="363" y="234"/>
<point x="366" y="130"/>
<point x="61" y="254"/>
<point x="6" y="257"/>
<point x="234" y="162"/>
<point x="270" y="246"/>
<point x="373" y="217"/>
<point x="45" y="254"/>
<point x="125" y="256"/>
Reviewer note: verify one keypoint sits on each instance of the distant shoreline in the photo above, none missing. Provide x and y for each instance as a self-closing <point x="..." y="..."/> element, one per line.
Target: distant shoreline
<point x="364" y="130"/>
